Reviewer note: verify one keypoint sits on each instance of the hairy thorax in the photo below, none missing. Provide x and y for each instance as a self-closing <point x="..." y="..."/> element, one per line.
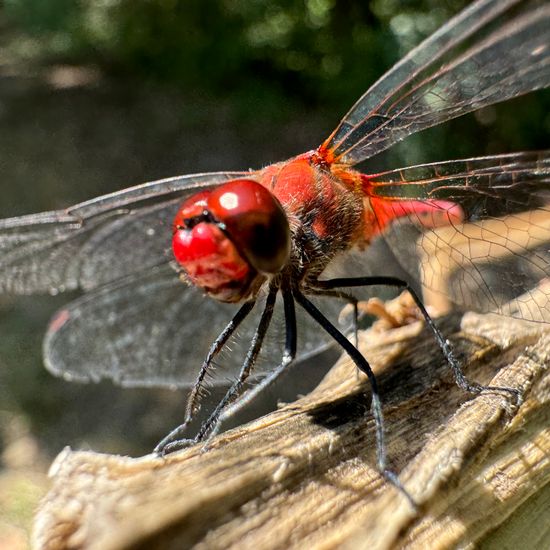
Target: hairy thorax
<point x="324" y="207"/>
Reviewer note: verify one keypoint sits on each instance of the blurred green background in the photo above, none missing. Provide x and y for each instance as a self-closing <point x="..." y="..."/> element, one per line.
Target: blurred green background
<point x="99" y="95"/>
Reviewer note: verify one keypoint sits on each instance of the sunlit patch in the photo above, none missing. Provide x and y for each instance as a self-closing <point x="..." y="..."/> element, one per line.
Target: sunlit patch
<point x="229" y="201"/>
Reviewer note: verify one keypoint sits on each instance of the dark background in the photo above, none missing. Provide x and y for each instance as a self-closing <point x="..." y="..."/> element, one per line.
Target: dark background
<point x="98" y="96"/>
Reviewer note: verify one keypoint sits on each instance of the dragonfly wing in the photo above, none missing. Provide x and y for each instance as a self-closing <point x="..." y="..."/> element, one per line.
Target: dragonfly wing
<point x="152" y="330"/>
<point x="497" y="257"/>
<point x="492" y="51"/>
<point x="97" y="241"/>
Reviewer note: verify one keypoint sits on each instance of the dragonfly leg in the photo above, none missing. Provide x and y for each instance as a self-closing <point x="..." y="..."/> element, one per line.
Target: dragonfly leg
<point x="289" y="355"/>
<point x="193" y="402"/>
<point x="363" y="365"/>
<point x="194" y="399"/>
<point x="171" y="442"/>
<point x="443" y="343"/>
<point x="352" y="301"/>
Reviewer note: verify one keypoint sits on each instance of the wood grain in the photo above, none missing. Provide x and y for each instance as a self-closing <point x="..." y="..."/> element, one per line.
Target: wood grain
<point x="305" y="476"/>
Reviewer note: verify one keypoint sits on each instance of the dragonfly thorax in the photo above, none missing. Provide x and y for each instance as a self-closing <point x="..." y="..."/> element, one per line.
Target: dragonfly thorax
<point x="324" y="208"/>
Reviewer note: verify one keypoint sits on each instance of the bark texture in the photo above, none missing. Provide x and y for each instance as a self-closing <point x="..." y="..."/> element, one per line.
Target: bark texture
<point x="305" y="476"/>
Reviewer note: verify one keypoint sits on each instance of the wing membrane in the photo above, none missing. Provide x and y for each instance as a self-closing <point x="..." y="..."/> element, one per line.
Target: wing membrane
<point x="492" y="51"/>
<point x="97" y="241"/>
<point x="496" y="260"/>
<point x="150" y="329"/>
<point x="516" y="180"/>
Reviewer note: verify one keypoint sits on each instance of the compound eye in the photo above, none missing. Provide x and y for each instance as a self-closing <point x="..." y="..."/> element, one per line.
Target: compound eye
<point x="193" y="207"/>
<point x="255" y="222"/>
<point x="207" y="254"/>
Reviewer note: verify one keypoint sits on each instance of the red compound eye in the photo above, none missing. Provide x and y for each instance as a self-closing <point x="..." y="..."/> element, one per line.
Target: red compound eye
<point x="255" y="222"/>
<point x="191" y="208"/>
<point x="223" y="238"/>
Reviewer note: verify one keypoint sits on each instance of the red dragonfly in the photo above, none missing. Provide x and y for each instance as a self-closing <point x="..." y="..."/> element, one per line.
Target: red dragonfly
<point x="303" y="230"/>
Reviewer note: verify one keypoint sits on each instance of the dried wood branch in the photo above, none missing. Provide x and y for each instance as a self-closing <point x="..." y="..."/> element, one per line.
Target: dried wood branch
<point x="305" y="476"/>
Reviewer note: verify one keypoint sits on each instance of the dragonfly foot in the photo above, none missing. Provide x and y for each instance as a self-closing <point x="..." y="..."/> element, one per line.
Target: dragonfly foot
<point x="391" y="477"/>
<point x="478" y="388"/>
<point x="165" y="445"/>
<point x="163" y="449"/>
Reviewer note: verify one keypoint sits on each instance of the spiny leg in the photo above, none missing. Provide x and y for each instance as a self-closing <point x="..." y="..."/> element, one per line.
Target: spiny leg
<point x="234" y="391"/>
<point x="364" y="366"/>
<point x="193" y="401"/>
<point x="442" y="342"/>
<point x="352" y="300"/>
<point x="289" y="355"/>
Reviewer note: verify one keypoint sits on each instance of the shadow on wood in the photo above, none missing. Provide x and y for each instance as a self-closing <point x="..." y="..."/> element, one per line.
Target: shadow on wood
<point x="305" y="476"/>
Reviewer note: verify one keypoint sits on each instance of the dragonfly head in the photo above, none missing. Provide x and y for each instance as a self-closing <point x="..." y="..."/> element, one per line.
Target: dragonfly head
<point x="231" y="238"/>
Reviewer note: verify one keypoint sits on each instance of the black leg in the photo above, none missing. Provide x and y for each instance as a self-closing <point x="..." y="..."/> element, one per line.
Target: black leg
<point x="362" y="365"/>
<point x="168" y="444"/>
<point x="289" y="355"/>
<point x="193" y="401"/>
<point x="348" y="298"/>
<point x="442" y="342"/>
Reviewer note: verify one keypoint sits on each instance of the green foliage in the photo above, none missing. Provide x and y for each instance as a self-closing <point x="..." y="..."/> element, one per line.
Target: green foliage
<point x="261" y="56"/>
<point x="308" y="49"/>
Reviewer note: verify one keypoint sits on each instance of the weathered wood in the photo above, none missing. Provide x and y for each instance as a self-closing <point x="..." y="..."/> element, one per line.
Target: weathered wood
<point x="305" y="476"/>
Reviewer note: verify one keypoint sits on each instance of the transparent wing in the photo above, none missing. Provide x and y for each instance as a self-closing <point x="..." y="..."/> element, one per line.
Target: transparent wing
<point x="498" y="257"/>
<point x="492" y="51"/>
<point x="97" y="241"/>
<point x="151" y="329"/>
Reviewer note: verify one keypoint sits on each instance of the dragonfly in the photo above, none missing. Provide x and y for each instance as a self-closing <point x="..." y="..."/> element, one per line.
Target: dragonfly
<point x="219" y="260"/>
